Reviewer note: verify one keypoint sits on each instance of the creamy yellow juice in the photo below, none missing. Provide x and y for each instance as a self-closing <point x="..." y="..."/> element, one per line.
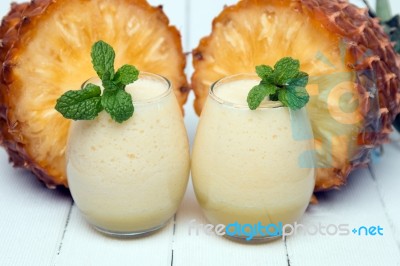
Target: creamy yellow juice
<point x="247" y="166"/>
<point x="131" y="177"/>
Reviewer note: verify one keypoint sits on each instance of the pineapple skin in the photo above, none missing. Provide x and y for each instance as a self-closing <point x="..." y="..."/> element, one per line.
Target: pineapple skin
<point x="19" y="20"/>
<point x="363" y="35"/>
<point x="368" y="50"/>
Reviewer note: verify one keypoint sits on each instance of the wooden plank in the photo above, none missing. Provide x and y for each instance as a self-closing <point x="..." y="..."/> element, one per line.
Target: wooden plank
<point x="358" y="204"/>
<point x="32" y="217"/>
<point x="83" y="245"/>
<point x="195" y="249"/>
<point x="387" y="178"/>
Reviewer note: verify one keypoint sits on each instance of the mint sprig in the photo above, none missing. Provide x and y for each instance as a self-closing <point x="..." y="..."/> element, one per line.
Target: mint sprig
<point x="87" y="103"/>
<point x="285" y="82"/>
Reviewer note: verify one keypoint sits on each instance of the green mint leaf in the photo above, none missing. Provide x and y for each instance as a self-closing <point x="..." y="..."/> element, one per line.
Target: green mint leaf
<point x="103" y="57"/>
<point x="127" y="74"/>
<point x="258" y="93"/>
<point x="294" y="98"/>
<point x="112" y="86"/>
<point x="83" y="104"/>
<point x="282" y="97"/>
<point x="118" y="103"/>
<point x="264" y="71"/>
<point x="301" y="80"/>
<point x="284" y="70"/>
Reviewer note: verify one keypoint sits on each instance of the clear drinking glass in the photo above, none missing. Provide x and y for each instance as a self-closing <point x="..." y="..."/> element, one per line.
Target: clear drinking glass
<point x="128" y="179"/>
<point x="251" y="167"/>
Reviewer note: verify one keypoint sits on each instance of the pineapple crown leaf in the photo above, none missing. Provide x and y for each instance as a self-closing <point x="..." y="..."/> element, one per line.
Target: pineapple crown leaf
<point x="87" y="103"/>
<point x="391" y="25"/>
<point x="383" y="9"/>
<point x="285" y="82"/>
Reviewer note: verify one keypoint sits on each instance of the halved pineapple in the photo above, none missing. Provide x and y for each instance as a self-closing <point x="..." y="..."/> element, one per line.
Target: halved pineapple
<point x="45" y="50"/>
<point x="354" y="77"/>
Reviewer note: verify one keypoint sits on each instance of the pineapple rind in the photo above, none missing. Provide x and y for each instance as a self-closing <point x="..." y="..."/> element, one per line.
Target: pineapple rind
<point x="33" y="134"/>
<point x="361" y="51"/>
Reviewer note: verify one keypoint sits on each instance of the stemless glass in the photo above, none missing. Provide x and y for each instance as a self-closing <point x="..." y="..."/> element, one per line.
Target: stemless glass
<point x="128" y="179"/>
<point x="249" y="167"/>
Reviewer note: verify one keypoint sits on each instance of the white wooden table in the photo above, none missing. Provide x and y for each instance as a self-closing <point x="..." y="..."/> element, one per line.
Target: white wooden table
<point x="43" y="227"/>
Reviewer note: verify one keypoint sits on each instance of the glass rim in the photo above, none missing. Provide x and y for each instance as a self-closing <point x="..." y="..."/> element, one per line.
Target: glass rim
<point x="142" y="74"/>
<point x="236" y="77"/>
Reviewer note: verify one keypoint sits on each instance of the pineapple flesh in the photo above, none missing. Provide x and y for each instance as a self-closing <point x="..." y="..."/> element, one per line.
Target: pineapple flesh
<point x="45" y="51"/>
<point x="353" y="72"/>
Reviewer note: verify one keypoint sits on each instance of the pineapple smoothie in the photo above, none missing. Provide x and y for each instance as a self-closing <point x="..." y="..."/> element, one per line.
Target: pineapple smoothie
<point x="130" y="178"/>
<point x="248" y="166"/>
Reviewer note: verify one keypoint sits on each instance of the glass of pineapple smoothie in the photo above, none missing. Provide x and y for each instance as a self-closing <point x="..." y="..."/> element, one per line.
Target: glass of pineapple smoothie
<point x="128" y="179"/>
<point x="251" y="167"/>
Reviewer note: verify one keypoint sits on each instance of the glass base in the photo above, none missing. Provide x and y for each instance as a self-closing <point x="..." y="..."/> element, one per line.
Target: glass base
<point x="254" y="240"/>
<point x="130" y="234"/>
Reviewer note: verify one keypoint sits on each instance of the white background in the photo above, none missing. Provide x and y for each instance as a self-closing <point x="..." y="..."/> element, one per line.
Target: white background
<point x="43" y="227"/>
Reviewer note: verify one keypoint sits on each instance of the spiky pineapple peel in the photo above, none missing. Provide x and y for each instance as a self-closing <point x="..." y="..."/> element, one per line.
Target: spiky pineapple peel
<point x="285" y="82"/>
<point x="391" y="25"/>
<point x="87" y="103"/>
